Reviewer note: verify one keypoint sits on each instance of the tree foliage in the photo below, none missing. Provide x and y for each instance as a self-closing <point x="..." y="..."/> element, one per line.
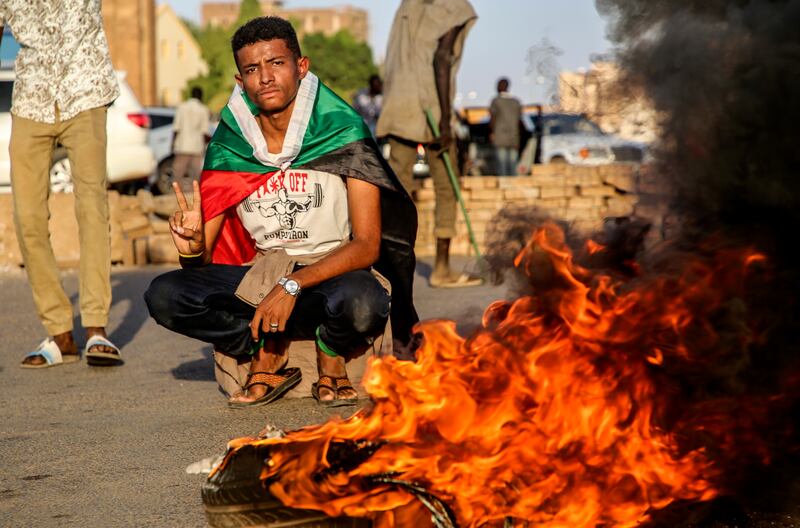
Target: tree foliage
<point x="340" y="61"/>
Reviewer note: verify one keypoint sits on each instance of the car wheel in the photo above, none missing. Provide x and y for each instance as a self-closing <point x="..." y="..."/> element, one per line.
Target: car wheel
<point x="558" y="160"/>
<point x="61" y="173"/>
<point x="164" y="177"/>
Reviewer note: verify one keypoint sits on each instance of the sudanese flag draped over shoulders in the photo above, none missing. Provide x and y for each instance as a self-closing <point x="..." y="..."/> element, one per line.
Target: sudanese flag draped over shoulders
<point x="324" y="134"/>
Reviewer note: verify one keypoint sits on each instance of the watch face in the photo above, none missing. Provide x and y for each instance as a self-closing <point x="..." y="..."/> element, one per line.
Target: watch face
<point x="291" y="286"/>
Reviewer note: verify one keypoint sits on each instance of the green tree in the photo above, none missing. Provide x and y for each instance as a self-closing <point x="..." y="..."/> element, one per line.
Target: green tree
<point x="218" y="82"/>
<point x="215" y="43"/>
<point x="340" y="61"/>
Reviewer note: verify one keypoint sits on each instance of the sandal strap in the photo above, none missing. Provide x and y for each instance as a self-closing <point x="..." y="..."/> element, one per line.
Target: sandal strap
<point x="327" y="382"/>
<point x="343" y="383"/>
<point x="268" y="379"/>
<point x="97" y="340"/>
<point x="47" y="349"/>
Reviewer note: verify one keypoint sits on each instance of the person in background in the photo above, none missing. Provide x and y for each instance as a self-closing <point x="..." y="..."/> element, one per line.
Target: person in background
<point x="422" y="59"/>
<point x="190" y="137"/>
<point x="64" y="84"/>
<point x="368" y="102"/>
<point x="506" y="113"/>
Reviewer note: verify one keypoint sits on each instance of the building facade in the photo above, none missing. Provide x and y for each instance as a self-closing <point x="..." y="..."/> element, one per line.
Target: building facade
<point x="178" y="57"/>
<point x="306" y="20"/>
<point x="130" y="29"/>
<point x="616" y="107"/>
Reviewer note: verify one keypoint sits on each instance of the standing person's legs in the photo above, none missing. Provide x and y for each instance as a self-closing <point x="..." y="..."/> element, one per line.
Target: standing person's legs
<point x="507" y="161"/>
<point x="84" y="137"/>
<point x="402" y="156"/>
<point x="513" y="160"/>
<point x="30" y="151"/>
<point x="180" y="165"/>
<point x="445" y="225"/>
<point x="182" y="170"/>
<point x="196" y="166"/>
<point x="501" y="161"/>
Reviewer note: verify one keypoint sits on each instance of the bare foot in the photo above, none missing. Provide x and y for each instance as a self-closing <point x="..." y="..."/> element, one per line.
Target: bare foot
<point x="66" y="344"/>
<point x="335" y="368"/>
<point x="272" y="357"/>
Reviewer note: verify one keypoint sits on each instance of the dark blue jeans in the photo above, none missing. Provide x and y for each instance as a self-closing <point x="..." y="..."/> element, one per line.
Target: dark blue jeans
<point x="349" y="310"/>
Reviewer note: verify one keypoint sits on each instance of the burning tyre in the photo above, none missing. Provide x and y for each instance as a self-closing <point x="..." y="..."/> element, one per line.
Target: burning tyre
<point x="237" y="497"/>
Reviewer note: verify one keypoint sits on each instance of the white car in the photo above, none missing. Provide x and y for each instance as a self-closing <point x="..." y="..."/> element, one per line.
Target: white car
<point x="573" y="139"/>
<point x="129" y="157"/>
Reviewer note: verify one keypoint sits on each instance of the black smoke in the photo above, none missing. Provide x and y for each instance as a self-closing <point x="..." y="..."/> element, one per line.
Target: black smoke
<point x="724" y="78"/>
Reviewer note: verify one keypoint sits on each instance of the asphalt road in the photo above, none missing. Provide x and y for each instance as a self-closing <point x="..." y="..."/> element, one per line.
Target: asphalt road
<point x="104" y="447"/>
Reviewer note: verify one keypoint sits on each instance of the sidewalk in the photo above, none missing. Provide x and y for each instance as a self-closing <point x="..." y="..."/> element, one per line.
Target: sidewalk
<point x="95" y="447"/>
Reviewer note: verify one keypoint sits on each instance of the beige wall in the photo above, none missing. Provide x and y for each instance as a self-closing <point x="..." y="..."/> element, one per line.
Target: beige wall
<point x="178" y="57"/>
<point x="309" y="20"/>
<point x="599" y="94"/>
<point x="130" y="28"/>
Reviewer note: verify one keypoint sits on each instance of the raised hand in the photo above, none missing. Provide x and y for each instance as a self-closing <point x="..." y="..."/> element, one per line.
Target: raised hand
<point x="186" y="224"/>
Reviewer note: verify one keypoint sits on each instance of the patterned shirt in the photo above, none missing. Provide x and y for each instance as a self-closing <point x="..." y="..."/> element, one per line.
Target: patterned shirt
<point x="64" y="60"/>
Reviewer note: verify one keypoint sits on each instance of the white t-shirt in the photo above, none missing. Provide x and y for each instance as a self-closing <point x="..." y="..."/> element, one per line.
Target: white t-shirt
<point x="191" y="127"/>
<point x="300" y="211"/>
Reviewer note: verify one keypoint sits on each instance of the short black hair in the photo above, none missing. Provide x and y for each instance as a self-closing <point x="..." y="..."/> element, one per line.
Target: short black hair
<point x="503" y="83"/>
<point x="266" y="28"/>
<point x="197" y="92"/>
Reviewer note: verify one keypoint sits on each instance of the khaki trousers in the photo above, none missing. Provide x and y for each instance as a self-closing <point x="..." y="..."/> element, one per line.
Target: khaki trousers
<point x="402" y="156"/>
<point x="30" y="148"/>
<point x="187" y="166"/>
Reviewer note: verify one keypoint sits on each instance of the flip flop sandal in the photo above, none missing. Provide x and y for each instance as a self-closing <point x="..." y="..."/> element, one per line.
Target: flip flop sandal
<point x="277" y="383"/>
<point x="48" y="349"/>
<point x="328" y="382"/>
<point x="101" y="359"/>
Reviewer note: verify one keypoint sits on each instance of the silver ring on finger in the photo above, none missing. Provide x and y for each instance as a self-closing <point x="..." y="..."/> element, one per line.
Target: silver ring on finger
<point x="273" y="326"/>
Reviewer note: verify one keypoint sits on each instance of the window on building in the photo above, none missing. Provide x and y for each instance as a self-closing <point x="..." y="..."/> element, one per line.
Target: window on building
<point x="164" y="49"/>
<point x="181" y="49"/>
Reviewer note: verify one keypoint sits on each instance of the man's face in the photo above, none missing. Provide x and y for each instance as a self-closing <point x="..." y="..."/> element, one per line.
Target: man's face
<point x="270" y="74"/>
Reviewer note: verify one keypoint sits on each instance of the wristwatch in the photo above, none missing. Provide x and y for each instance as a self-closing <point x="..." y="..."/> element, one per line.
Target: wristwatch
<point x="290" y="286"/>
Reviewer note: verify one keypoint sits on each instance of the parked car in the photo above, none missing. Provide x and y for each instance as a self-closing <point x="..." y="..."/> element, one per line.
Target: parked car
<point x="130" y="160"/>
<point x="159" y="138"/>
<point x="574" y="139"/>
<point x="566" y="138"/>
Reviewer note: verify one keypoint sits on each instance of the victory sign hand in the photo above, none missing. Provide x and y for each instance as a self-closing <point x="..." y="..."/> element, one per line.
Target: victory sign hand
<point x="186" y="224"/>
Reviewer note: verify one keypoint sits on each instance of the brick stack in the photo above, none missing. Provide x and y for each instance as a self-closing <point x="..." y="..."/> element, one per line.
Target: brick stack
<point x="129" y="224"/>
<point x="582" y="196"/>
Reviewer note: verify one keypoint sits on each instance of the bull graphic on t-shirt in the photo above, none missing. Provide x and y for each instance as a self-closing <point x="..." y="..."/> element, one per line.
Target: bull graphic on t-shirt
<point x="285" y="208"/>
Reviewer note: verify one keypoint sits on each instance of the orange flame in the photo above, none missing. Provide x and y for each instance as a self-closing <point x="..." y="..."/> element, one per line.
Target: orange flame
<point x="547" y="414"/>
